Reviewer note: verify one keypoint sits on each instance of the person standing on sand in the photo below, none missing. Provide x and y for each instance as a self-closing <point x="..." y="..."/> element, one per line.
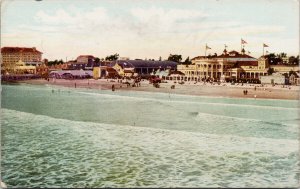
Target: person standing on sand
<point x="113" y="87"/>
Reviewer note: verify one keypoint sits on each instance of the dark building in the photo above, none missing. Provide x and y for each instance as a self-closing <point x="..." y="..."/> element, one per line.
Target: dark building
<point x="85" y="62"/>
<point x="146" y="66"/>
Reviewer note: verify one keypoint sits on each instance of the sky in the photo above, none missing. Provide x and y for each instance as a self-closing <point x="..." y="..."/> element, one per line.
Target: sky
<point x="65" y="29"/>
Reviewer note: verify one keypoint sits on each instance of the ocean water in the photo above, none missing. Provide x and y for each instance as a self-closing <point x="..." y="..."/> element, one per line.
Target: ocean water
<point x="61" y="137"/>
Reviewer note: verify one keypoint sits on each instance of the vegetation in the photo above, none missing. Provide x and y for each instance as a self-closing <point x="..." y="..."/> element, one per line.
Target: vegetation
<point x="293" y="73"/>
<point x="275" y="59"/>
<point x="187" y="61"/>
<point x="112" y="57"/>
<point x="175" y="58"/>
<point x="270" y="71"/>
<point x="97" y="60"/>
<point x="55" y="62"/>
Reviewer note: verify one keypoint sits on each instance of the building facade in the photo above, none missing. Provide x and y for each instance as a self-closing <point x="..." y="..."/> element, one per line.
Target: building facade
<point x="285" y="68"/>
<point x="232" y="65"/>
<point x="12" y="55"/>
<point x="275" y="79"/>
<point x="85" y="62"/>
<point x="145" y="67"/>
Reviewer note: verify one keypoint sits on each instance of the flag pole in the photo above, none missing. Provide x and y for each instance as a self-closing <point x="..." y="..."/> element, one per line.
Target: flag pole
<point x="205" y="49"/>
<point x="241" y="44"/>
<point x="263" y="50"/>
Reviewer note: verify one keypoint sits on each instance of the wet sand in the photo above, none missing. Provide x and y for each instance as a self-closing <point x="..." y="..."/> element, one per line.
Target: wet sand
<point x="188" y="88"/>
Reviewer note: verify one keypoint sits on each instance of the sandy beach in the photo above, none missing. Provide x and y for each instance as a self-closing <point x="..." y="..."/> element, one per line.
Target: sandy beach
<point x="188" y="88"/>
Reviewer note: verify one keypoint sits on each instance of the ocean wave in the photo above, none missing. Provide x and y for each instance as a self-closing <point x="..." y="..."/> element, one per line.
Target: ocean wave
<point x="185" y="101"/>
<point x="41" y="151"/>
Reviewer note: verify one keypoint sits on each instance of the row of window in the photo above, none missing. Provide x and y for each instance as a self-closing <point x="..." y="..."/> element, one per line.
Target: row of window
<point x="209" y="73"/>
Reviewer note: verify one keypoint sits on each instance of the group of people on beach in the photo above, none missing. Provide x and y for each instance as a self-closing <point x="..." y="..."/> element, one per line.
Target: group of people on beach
<point x="245" y="92"/>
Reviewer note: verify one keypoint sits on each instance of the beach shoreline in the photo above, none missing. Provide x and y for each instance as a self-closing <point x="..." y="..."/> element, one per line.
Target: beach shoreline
<point x="255" y="91"/>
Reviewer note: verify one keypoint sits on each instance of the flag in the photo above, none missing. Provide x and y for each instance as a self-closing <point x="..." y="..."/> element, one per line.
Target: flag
<point x="243" y="41"/>
<point x="265" y="45"/>
<point x="207" y="47"/>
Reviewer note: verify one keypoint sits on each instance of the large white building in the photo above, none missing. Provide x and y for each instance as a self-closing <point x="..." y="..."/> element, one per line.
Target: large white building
<point x="231" y="64"/>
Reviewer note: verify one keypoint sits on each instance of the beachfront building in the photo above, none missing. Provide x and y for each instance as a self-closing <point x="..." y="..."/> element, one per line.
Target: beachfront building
<point x="42" y="70"/>
<point x="85" y="62"/>
<point x="129" y="72"/>
<point x="233" y="65"/>
<point x="71" y="74"/>
<point x="274" y="79"/>
<point x="105" y="72"/>
<point x="161" y="73"/>
<point x="174" y="75"/>
<point x="119" y="68"/>
<point x="22" y="68"/>
<point x="12" y="55"/>
<point x="285" y="68"/>
<point x="144" y="67"/>
<point x="63" y="66"/>
<point x="294" y="78"/>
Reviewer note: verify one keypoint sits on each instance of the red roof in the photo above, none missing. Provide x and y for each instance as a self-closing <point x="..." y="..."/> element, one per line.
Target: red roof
<point x="19" y="50"/>
<point x="247" y="63"/>
<point x="111" y="70"/>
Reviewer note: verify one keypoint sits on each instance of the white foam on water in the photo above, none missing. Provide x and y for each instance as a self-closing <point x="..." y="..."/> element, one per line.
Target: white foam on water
<point x="184" y="101"/>
<point x="107" y="155"/>
<point x="115" y="96"/>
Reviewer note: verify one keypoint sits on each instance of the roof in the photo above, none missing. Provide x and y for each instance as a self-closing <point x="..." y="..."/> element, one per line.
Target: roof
<point x="146" y="63"/>
<point x="176" y="72"/>
<point x="74" y="72"/>
<point x="234" y="55"/>
<point x="284" y="65"/>
<point x="19" y="50"/>
<point x="128" y="71"/>
<point x="231" y="54"/>
<point x="198" y="57"/>
<point x="111" y="70"/>
<point x="247" y="63"/>
<point x="86" y="56"/>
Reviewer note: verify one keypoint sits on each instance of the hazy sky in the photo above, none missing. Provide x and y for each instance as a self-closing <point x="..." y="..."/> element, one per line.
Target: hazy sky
<point x="149" y="28"/>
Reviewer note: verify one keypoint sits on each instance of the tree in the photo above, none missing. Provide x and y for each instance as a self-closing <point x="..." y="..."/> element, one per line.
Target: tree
<point x="293" y="60"/>
<point x="292" y="73"/>
<point x="270" y="71"/>
<point x="187" y="61"/>
<point x="112" y="57"/>
<point x="286" y="75"/>
<point x="97" y="60"/>
<point x="273" y="59"/>
<point x="175" y="58"/>
<point x="55" y="62"/>
<point x="281" y="55"/>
